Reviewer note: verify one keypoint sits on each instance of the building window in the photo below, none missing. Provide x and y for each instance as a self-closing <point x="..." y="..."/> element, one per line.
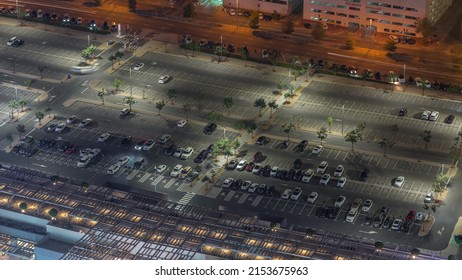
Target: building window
<point x="397" y="15"/>
<point x="354" y="8"/>
<point x="342" y="15"/>
<point x="398" y="7"/>
<point x="384" y="13"/>
<point x="409" y="17"/>
<point x="372" y="11"/>
<point x="384" y="21"/>
<point x="341" y="7"/>
<point x="411" y="9"/>
<point x="386" y="30"/>
<point x="329" y="12"/>
<point x="372" y="3"/>
<point x="385" y="5"/>
<point x="316" y="10"/>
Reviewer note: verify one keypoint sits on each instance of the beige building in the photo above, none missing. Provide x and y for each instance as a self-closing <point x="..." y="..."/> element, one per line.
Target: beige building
<point x="282" y="7"/>
<point x="387" y="16"/>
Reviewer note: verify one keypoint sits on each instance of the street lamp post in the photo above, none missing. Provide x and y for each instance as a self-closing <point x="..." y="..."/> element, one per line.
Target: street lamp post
<point x="340" y="120"/>
<point x="131" y="93"/>
<point x="370" y="32"/>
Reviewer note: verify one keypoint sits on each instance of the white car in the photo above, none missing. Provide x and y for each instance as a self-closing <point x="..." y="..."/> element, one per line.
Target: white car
<point x="256" y="169"/>
<point x="420" y="217"/>
<point x="241" y="165"/>
<point x="425" y="115"/>
<point x="394" y="38"/>
<point x="164" y="79"/>
<point x="139" y="145"/>
<point x="434" y="116"/>
<point x="367" y="205"/>
<point x="71" y="119"/>
<point x="61" y="127"/>
<point x="339" y="171"/>
<point x="325" y="179"/>
<point x="232" y="12"/>
<point x="178" y="152"/>
<point x="103" y="137"/>
<point x="317" y="150"/>
<point x="149" y="144"/>
<point x="312" y="197"/>
<point x="161" y="168"/>
<point x="86" y="122"/>
<point x="296" y="193"/>
<point x="274" y="171"/>
<point x="125" y="112"/>
<point x="286" y="194"/>
<point x="84" y="161"/>
<point x="181" y="123"/>
<point x="79" y="20"/>
<point x="396" y="224"/>
<point x="187" y="153"/>
<point x="138" y="66"/>
<point x="399" y="182"/>
<point x="164" y="139"/>
<point x="339" y="201"/>
<point x="350" y="217"/>
<point x="113" y="169"/>
<point x="85" y="152"/>
<point x="176" y="170"/>
<point x="322" y="167"/>
<point x="341" y="182"/>
<point x="187" y="39"/>
<point x="227" y="183"/>
<point x="252" y="188"/>
<point x="427" y="84"/>
<point x="94" y="152"/>
<point x="307" y="176"/>
<point x="428" y="198"/>
<point x="123" y="160"/>
<point x="11" y="41"/>
<point x="264" y="53"/>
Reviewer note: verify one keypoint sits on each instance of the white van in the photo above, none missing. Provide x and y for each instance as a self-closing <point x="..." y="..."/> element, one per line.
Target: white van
<point x="84" y="161"/>
<point x="351" y="216"/>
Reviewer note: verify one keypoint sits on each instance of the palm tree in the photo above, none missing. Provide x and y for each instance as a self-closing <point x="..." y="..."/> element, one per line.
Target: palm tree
<point x="288" y="128"/>
<point x="160" y="105"/>
<point x="273" y="106"/>
<point x="13" y="104"/>
<point x="48" y="110"/>
<point x="260" y="103"/>
<point x="228" y="103"/>
<point x="21" y="129"/>
<point x="195" y="47"/>
<point x="101" y="95"/>
<point x="119" y="55"/>
<point x="22" y="103"/>
<point x="28" y="83"/>
<point x="39" y="115"/>
<point x="322" y="134"/>
<point x="129" y="100"/>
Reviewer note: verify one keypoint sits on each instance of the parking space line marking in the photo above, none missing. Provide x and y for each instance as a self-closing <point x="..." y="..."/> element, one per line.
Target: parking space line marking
<point x="257" y="200"/>
<point x="243" y="198"/>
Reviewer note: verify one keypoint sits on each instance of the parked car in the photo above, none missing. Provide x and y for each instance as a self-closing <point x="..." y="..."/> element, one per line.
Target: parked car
<point x="402" y="112"/>
<point x="286" y="194"/>
<point x="364" y="175"/>
<point x="322" y="167"/>
<point x="367" y="206"/>
<point x="103" y="137"/>
<point x="307" y="176"/>
<point x="210" y="128"/>
<point x="241" y="165"/>
<point x="296" y="193"/>
<point x="312" y="197"/>
<point x="317" y="149"/>
<point x="262" y="140"/>
<point x="339" y="201"/>
<point x="399" y="182"/>
<point x="339" y="171"/>
<point x="86" y="122"/>
<point x="149" y="144"/>
<point x="341" y="182"/>
<point x="325" y="179"/>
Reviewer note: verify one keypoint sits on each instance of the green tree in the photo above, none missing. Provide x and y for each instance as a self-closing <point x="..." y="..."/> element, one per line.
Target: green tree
<point x="330" y="121"/>
<point x="111" y="59"/>
<point x="132" y="5"/>
<point x="254" y="21"/>
<point x="22" y="103"/>
<point x="322" y="134"/>
<point x="195" y="47"/>
<point x="160" y="105"/>
<point x="9" y="138"/>
<point x="28" y="83"/>
<point x="13" y="105"/>
<point x="39" y="115"/>
<point x="318" y="33"/>
<point x="41" y="69"/>
<point x="130" y="101"/>
<point x="171" y="94"/>
<point x="187" y="109"/>
<point x="288" y="95"/>
<point x="214" y="116"/>
<point x="260" y="103"/>
<point x="455" y="151"/>
<point x="101" y="95"/>
<point x="48" y="110"/>
<point x="424" y="27"/>
<point x="53" y="212"/>
<point x="273" y="106"/>
<point x="288" y="25"/>
<point x="225" y="147"/>
<point x="119" y="55"/>
<point x="385" y="143"/>
<point x="21" y="129"/>
<point x="239" y="126"/>
<point x="288" y="128"/>
<point x="426" y="137"/>
<point x="228" y="104"/>
<point x="218" y="51"/>
<point x="350" y="42"/>
<point x="440" y="183"/>
<point x="189" y="10"/>
<point x="117" y="84"/>
<point x="353" y="137"/>
<point x="390" y="45"/>
<point x="378" y="245"/>
<point x="88" y="52"/>
<point x="251" y="127"/>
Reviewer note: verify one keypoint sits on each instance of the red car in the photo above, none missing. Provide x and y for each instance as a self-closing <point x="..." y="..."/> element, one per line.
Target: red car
<point x="411" y="215"/>
<point x="71" y="150"/>
<point x="249" y="167"/>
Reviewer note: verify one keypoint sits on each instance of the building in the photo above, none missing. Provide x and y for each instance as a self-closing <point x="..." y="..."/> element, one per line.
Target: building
<point x="104" y="223"/>
<point x="282" y="7"/>
<point x="386" y="16"/>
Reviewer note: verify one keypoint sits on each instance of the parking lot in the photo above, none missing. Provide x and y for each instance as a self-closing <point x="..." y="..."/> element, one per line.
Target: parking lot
<point x="9" y="93"/>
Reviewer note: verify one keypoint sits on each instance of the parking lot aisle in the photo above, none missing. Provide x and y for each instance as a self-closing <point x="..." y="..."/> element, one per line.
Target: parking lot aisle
<point x="186" y="198"/>
<point x="169" y="183"/>
<point x="213" y="192"/>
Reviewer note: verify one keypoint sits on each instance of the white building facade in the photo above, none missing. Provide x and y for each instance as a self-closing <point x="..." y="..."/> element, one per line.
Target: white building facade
<point x="282" y="7"/>
<point x="386" y="16"/>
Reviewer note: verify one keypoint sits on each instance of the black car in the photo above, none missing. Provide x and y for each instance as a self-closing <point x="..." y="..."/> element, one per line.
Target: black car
<point x="450" y="119"/>
<point x="105" y="25"/>
<point x="402" y="112"/>
<point x="332" y="212"/>
<point x="210" y="148"/>
<point x="231" y="48"/>
<point x="377" y="222"/>
<point x="267" y="17"/>
<point x="364" y="175"/>
<point x="266" y="171"/>
<point x="368" y="220"/>
<point x="126" y="141"/>
<point x="387" y="223"/>
<point x="17" y="43"/>
<point x="378" y="76"/>
<point x="52" y="127"/>
<point x="270" y="191"/>
<point x="285" y="144"/>
<point x="290" y="175"/>
<point x="298" y="175"/>
<point x="307" y="25"/>
<point x="54" y="17"/>
<point x="170" y="150"/>
<point x="202" y="156"/>
<point x="406" y="226"/>
<point x="298" y="163"/>
<point x="210" y="128"/>
<point x="282" y="174"/>
<point x="237" y="184"/>
<point x="301" y="146"/>
<point x="262" y="140"/>
<point x="73" y="20"/>
<point x="51" y="143"/>
<point x="63" y="146"/>
<point x="258" y="156"/>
